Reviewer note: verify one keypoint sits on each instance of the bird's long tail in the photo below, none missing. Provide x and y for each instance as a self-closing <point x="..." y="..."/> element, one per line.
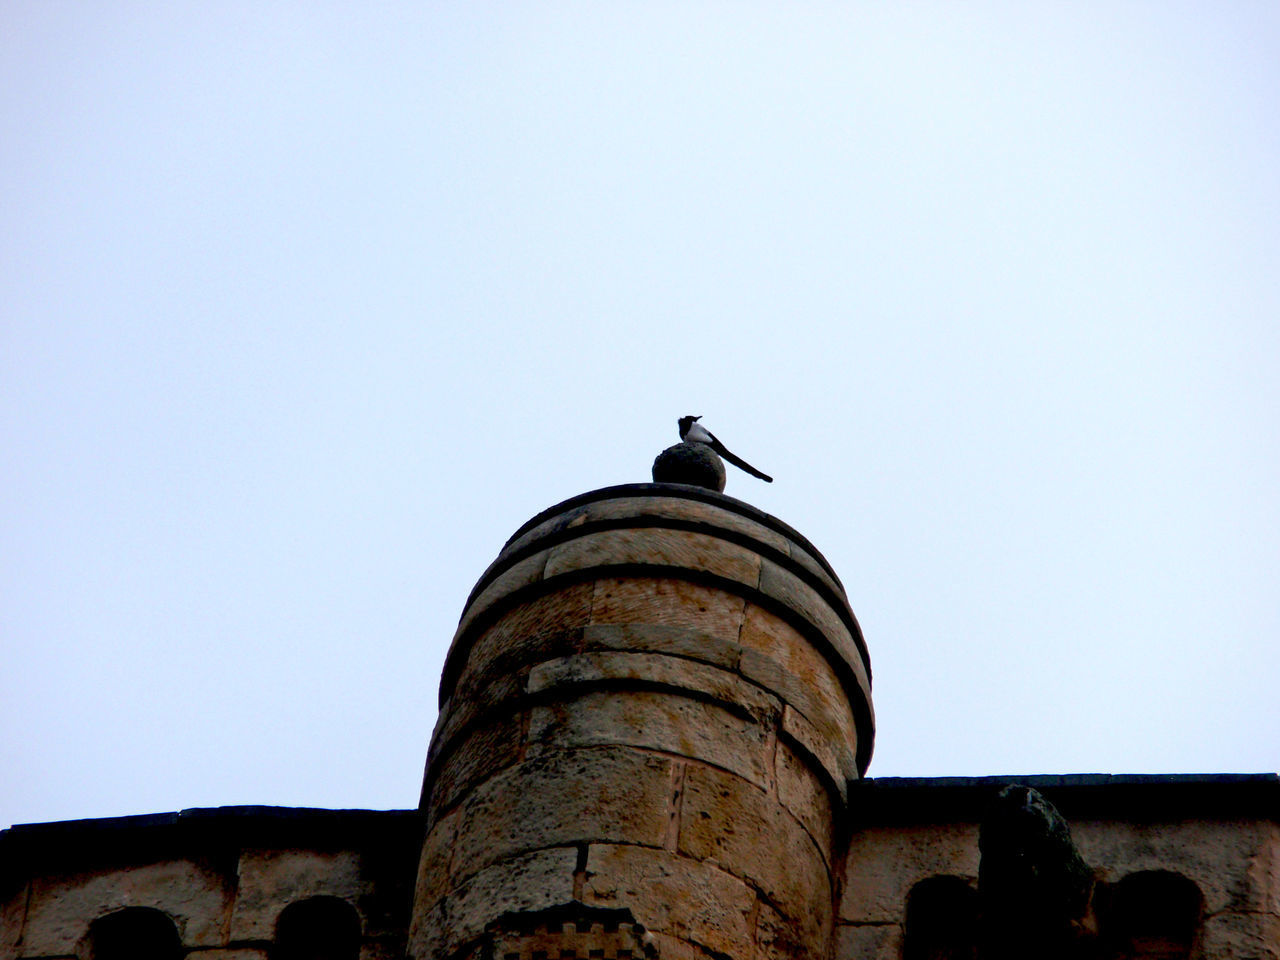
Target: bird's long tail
<point x="741" y="464"/>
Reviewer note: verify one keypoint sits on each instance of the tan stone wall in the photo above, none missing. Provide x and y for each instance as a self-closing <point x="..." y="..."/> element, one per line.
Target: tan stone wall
<point x="639" y="714"/>
<point x="1234" y="863"/>
<point x="224" y="897"/>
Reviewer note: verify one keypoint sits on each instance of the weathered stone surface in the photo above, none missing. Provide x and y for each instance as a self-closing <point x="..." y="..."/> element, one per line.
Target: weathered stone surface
<point x="805" y="797"/>
<point x="1209" y="853"/>
<point x="569" y="931"/>
<point x="1248" y="936"/>
<point x="668" y="602"/>
<point x="653" y="668"/>
<point x="884" y="863"/>
<point x="675" y="641"/>
<point x="270" y="880"/>
<point x="733" y="824"/>
<point x="779" y="937"/>
<point x="808" y="681"/>
<point x="485" y="750"/>
<point x="869" y="942"/>
<point x="598" y="794"/>
<point x="249" y="953"/>
<point x="693" y="463"/>
<point x="520" y="574"/>
<point x="695" y="511"/>
<point x="658" y="721"/>
<point x="435" y="865"/>
<point x="530" y="632"/>
<point x="565" y="520"/>
<point x="785" y="587"/>
<point x="673" y="948"/>
<point x="675" y="548"/>
<point x="831" y="755"/>
<point x="12" y="917"/>
<point x="805" y="559"/>
<point x="672" y="895"/>
<point x="427" y="930"/>
<point x="62" y="907"/>
<point x="533" y="881"/>
<point x="501" y="695"/>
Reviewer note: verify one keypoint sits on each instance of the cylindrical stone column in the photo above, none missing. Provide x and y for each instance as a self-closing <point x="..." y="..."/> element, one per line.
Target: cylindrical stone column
<point x="652" y="707"/>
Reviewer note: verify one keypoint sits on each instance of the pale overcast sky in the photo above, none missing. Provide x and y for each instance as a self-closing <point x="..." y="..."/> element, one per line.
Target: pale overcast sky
<point x="306" y="307"/>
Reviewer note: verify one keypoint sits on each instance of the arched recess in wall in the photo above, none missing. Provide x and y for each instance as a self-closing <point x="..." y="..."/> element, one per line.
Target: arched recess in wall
<point x="134" y="933"/>
<point x="318" y="928"/>
<point x="1154" y="915"/>
<point x="941" y="921"/>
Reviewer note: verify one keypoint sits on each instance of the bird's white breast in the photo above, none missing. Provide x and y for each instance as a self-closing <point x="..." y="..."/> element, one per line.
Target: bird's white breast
<point x="698" y="434"/>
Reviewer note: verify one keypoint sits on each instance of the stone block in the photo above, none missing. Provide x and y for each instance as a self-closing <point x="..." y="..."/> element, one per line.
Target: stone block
<point x="530" y="632"/>
<point x="236" y="953"/>
<point x="730" y="823"/>
<point x="673" y="948"/>
<point x="803" y="558"/>
<point x="1241" y="936"/>
<point x="1233" y="862"/>
<point x="672" y="895"/>
<point x="598" y="794"/>
<point x="371" y="950"/>
<point x="804" y="795"/>
<point x="653" y="545"/>
<point x="656" y="720"/>
<point x="501" y="696"/>
<point x="786" y="588"/>
<point x="483" y="752"/>
<point x="779" y="937"/>
<point x="808" y="680"/>
<point x="689" y="511"/>
<point x="428" y="932"/>
<point x="831" y="755"/>
<point x="62" y="907"/>
<point x="880" y="941"/>
<point x="668" y="602"/>
<point x="674" y="641"/>
<point x="270" y="880"/>
<point x="533" y="881"/>
<point x="435" y="865"/>
<point x="551" y="527"/>
<point x="614" y="667"/>
<point x="884" y="863"/>
<point x="518" y="575"/>
<point x="13" y="914"/>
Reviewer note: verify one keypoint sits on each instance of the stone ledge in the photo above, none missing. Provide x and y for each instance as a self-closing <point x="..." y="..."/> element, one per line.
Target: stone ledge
<point x="679" y="492"/>
<point x="659" y="671"/>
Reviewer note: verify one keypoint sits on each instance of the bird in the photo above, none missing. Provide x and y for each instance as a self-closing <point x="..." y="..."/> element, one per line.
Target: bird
<point x="693" y="432"/>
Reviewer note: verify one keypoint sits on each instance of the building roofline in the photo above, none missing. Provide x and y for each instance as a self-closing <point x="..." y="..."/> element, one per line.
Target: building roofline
<point x="74" y="845"/>
<point x="1087" y="796"/>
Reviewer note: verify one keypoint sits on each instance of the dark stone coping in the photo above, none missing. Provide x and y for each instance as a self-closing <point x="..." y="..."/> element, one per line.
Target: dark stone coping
<point x="890" y="801"/>
<point x="30" y="849"/>
<point x="682" y="491"/>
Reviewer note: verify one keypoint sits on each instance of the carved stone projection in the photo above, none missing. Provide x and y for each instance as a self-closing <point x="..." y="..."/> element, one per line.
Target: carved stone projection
<point x="571" y="931"/>
<point x="1035" y="890"/>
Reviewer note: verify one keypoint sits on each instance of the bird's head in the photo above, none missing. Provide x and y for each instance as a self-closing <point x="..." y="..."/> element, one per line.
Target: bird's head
<point x="685" y="424"/>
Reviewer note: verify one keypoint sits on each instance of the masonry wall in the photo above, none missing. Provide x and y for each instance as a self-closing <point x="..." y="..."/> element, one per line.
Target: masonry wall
<point x="222" y="877"/>
<point x="1220" y="833"/>
<point x="654" y="702"/>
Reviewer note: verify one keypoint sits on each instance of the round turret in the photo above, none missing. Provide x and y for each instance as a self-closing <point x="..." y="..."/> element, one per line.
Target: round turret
<point x="651" y="710"/>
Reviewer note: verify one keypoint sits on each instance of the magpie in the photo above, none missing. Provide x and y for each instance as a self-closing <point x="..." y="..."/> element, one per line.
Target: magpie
<point x="693" y="432"/>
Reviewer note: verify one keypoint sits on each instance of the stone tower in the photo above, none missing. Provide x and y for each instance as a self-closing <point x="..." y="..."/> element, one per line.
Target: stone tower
<point x="650" y="715"/>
